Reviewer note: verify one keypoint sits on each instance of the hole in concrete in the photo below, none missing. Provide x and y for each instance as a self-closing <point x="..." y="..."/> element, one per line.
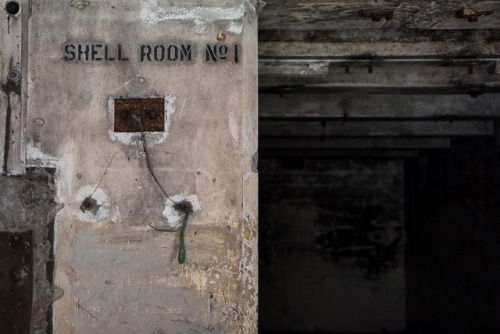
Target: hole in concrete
<point x="183" y="206"/>
<point x="89" y="204"/>
<point x="12" y="7"/>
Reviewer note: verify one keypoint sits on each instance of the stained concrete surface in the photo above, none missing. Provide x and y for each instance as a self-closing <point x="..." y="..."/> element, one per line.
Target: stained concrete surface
<point x="120" y="275"/>
<point x="28" y="208"/>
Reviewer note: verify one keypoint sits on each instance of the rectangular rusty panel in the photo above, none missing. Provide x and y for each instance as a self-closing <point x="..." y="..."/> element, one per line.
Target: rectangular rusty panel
<point x="16" y="281"/>
<point x="139" y="114"/>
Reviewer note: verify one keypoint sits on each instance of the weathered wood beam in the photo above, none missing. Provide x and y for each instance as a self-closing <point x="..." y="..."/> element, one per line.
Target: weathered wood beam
<point x="466" y="36"/>
<point x="375" y="74"/>
<point x="320" y="67"/>
<point x="383" y="14"/>
<point x="296" y="68"/>
<point x="337" y="128"/>
<point x="379" y="105"/>
<point x="365" y="50"/>
<point x="352" y="143"/>
<point x="473" y="91"/>
<point x="370" y="153"/>
<point x="320" y="14"/>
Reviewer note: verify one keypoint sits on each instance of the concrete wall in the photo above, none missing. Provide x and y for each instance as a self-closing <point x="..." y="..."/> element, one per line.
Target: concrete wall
<point x="12" y="89"/>
<point x="119" y="272"/>
<point x="27" y="208"/>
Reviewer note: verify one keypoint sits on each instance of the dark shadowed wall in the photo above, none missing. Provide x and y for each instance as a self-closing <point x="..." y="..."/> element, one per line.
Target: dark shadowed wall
<point x="337" y="256"/>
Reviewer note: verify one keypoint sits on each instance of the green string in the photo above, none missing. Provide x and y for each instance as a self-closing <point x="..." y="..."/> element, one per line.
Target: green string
<point x="182" y="249"/>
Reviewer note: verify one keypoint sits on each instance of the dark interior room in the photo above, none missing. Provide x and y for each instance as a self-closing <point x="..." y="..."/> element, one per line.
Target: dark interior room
<point x="379" y="170"/>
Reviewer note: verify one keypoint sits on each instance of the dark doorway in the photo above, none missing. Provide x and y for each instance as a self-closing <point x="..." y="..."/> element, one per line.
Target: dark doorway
<point x="380" y="240"/>
<point x="16" y="281"/>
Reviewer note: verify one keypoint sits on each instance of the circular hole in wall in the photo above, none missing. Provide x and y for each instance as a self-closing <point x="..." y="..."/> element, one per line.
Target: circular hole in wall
<point x="12" y="7"/>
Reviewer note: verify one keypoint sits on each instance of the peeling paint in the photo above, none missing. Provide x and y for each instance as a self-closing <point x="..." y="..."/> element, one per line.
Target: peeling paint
<point x="36" y="157"/>
<point x="233" y="126"/>
<point x="235" y="28"/>
<point x="248" y="261"/>
<point x="198" y="278"/>
<point x="152" y="13"/>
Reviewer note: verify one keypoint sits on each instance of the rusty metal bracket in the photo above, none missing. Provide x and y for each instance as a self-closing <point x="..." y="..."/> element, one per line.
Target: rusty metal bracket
<point x="472" y="14"/>
<point x="377" y="14"/>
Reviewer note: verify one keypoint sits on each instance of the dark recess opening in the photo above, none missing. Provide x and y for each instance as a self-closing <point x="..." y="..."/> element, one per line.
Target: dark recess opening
<point x="16" y="281"/>
<point x="451" y="207"/>
<point x="27" y="213"/>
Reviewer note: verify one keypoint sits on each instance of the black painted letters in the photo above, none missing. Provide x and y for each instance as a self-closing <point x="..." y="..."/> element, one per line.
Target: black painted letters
<point x="94" y="52"/>
<point x="70" y="52"/>
<point x="221" y="52"/>
<point x="157" y="53"/>
<point x="165" y="53"/>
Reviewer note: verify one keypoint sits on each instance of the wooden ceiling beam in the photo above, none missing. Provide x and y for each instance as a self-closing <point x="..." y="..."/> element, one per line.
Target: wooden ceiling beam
<point x="464" y="36"/>
<point x="336" y="153"/>
<point x="367" y="50"/>
<point x="352" y="143"/>
<point x="343" y="73"/>
<point x="364" y="105"/>
<point x="382" y="14"/>
<point x="357" y="128"/>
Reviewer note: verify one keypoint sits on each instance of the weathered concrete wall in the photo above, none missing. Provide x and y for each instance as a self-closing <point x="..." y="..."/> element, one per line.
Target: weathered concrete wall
<point x="119" y="275"/>
<point x="27" y="205"/>
<point x="332" y="245"/>
<point x="11" y="71"/>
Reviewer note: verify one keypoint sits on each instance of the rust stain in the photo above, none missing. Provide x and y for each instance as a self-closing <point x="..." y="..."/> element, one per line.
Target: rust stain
<point x="221" y="37"/>
<point x="472" y="14"/>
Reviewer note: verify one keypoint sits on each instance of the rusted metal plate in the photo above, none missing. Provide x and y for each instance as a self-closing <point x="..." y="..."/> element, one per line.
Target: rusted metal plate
<point x="139" y="115"/>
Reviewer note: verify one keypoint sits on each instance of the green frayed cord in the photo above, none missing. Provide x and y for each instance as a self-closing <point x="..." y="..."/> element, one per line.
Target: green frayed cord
<point x="182" y="249"/>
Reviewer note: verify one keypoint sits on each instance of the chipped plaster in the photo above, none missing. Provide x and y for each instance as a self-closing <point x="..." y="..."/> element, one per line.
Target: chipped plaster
<point x="152" y="13"/>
